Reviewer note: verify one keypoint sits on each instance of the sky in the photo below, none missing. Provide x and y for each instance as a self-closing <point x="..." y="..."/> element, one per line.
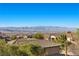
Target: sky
<point x="39" y="14"/>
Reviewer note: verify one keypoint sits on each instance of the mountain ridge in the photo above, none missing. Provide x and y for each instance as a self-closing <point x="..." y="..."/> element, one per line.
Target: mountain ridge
<point x="37" y="29"/>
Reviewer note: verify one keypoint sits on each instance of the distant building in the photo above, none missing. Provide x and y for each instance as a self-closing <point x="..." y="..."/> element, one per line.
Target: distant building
<point x="19" y="36"/>
<point x="5" y="37"/>
<point x="53" y="36"/>
<point x="25" y="37"/>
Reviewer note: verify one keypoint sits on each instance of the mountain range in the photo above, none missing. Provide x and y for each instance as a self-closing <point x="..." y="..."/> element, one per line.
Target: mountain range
<point x="36" y="29"/>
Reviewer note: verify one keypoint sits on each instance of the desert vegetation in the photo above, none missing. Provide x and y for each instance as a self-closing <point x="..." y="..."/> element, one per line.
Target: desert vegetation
<point x="21" y="50"/>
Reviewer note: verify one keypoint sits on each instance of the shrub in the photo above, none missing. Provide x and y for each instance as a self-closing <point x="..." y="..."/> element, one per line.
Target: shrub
<point x="38" y="36"/>
<point x="20" y="50"/>
<point x="36" y="50"/>
<point x="13" y="37"/>
<point x="2" y="42"/>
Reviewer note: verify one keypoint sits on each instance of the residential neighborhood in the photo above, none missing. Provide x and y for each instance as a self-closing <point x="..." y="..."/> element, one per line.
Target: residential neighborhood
<point x="49" y="43"/>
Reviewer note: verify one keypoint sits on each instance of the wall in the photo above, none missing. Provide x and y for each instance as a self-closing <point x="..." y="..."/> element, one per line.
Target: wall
<point x="52" y="50"/>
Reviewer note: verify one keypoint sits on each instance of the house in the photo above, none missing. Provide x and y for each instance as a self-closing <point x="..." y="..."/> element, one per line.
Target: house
<point x="53" y="36"/>
<point x="18" y="36"/>
<point x="69" y="36"/>
<point x="25" y="37"/>
<point x="4" y="37"/>
<point x="49" y="47"/>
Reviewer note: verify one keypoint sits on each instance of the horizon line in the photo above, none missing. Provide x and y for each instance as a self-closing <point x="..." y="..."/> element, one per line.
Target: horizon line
<point x="40" y="26"/>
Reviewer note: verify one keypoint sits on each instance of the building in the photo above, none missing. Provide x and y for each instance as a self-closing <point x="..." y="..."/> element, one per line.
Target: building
<point x="4" y="37"/>
<point x="53" y="36"/>
<point x="25" y="37"/>
<point x="69" y="36"/>
<point x="49" y="47"/>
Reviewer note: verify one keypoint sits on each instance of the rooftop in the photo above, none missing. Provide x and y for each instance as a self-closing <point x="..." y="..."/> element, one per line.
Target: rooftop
<point x="42" y="43"/>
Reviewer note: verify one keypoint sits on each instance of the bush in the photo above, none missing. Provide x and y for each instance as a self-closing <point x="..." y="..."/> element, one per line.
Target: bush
<point x="2" y="42"/>
<point x="24" y="50"/>
<point x="8" y="50"/>
<point x="13" y="37"/>
<point x="21" y="50"/>
<point x="36" y="50"/>
<point x="38" y="36"/>
<point x="30" y="50"/>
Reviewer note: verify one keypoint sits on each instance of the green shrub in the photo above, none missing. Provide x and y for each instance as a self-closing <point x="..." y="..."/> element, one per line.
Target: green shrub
<point x="2" y="42"/>
<point x="36" y="50"/>
<point x="38" y="36"/>
<point x="20" y="50"/>
<point x="13" y="37"/>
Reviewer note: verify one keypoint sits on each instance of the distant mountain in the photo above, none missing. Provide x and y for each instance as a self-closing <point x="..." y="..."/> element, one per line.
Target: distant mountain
<point x="36" y="29"/>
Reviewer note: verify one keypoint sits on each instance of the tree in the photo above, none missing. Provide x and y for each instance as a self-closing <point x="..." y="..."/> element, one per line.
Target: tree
<point x="62" y="39"/>
<point x="38" y="36"/>
<point x="36" y="50"/>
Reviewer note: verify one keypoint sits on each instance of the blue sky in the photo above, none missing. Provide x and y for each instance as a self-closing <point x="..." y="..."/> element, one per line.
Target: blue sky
<point x="52" y="14"/>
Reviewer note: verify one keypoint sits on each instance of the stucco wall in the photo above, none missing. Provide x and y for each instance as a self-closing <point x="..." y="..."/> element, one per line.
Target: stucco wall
<point x="52" y="50"/>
